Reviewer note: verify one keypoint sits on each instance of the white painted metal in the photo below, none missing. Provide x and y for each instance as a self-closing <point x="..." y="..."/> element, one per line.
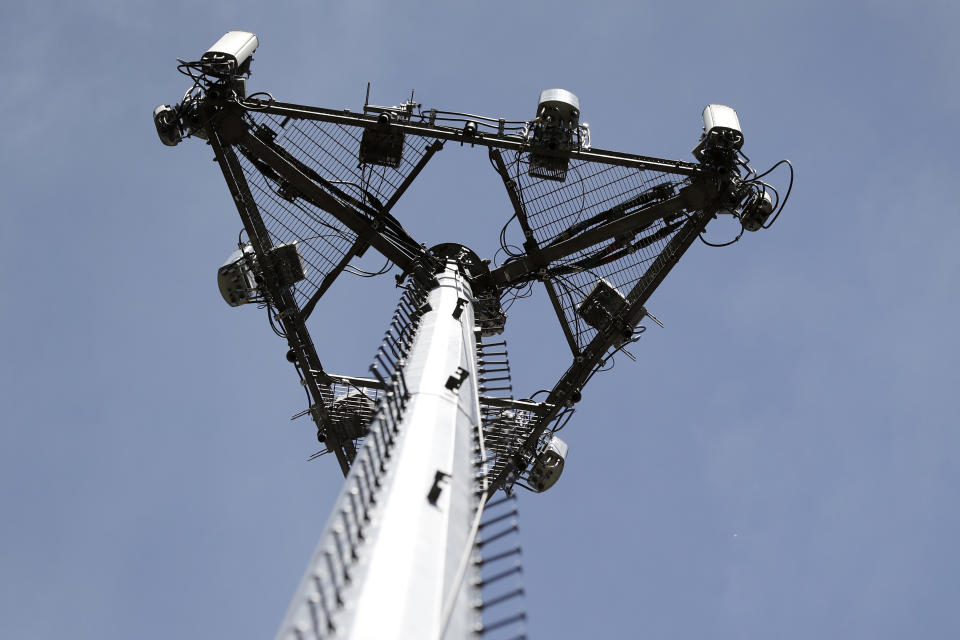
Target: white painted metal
<point x="409" y="571"/>
<point x="720" y="118"/>
<point x="566" y="103"/>
<point x="231" y="51"/>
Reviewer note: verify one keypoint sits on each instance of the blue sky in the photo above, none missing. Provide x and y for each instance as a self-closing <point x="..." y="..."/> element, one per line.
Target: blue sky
<point x="778" y="463"/>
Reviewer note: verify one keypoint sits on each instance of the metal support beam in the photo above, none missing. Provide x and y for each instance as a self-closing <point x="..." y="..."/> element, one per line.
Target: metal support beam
<point x="482" y="138"/>
<point x="431" y="149"/>
<point x="327" y="281"/>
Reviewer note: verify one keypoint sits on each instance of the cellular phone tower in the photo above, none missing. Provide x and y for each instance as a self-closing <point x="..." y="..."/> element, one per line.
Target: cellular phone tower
<point x="433" y="445"/>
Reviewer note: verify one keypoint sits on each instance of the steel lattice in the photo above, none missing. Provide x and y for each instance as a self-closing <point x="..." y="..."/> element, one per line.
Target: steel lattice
<point x="594" y="193"/>
<point x="331" y="151"/>
<point x="351" y="408"/>
<point x="504" y="431"/>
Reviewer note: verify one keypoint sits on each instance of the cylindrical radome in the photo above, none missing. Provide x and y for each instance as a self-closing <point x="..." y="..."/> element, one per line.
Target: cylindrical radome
<point x="230" y="52"/>
<point x="719" y="118"/>
<point x="567" y="105"/>
<point x="406" y="573"/>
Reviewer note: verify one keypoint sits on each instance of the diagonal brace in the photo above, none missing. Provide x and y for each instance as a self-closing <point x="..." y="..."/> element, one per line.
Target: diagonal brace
<point x="401" y="256"/>
<point x="593" y="355"/>
<point x="527" y="267"/>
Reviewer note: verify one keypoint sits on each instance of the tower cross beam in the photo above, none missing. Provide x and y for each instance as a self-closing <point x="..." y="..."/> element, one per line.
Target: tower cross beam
<point x="508" y="142"/>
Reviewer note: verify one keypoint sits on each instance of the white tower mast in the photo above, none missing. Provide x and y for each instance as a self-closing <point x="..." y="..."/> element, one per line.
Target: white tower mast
<point x="392" y="560"/>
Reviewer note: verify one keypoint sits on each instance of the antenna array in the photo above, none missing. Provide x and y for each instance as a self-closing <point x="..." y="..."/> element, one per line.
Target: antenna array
<point x="316" y="188"/>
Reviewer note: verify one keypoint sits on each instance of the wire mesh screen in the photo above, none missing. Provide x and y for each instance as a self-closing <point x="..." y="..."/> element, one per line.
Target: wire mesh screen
<point x="321" y="240"/>
<point x="576" y="284"/>
<point x="331" y="151"/>
<point x="351" y="409"/>
<point x="504" y="430"/>
<point x="594" y="194"/>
